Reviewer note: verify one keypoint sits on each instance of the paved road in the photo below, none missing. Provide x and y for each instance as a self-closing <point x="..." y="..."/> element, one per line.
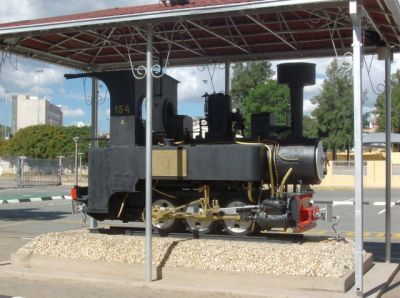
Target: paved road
<point x="374" y="216"/>
<point x="21" y="222"/>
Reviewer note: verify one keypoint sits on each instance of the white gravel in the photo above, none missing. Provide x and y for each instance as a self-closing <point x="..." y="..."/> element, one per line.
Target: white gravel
<point x="329" y="258"/>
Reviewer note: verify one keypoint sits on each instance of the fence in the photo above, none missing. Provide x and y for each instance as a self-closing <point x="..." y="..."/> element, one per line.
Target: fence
<point x="8" y="166"/>
<point x="346" y="168"/>
<point x="34" y="172"/>
<point x="341" y="173"/>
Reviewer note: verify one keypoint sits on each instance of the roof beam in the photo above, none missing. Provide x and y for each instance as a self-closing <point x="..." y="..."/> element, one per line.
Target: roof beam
<point x="101" y="47"/>
<point x="270" y="31"/>
<point x="262" y="44"/>
<point x="177" y="44"/>
<point x="191" y="36"/>
<point x="283" y="20"/>
<point x="168" y="15"/>
<point x="371" y="21"/>
<point x="66" y="40"/>
<point x="242" y="57"/>
<point x="238" y="32"/>
<point x="112" y="42"/>
<point x="219" y="36"/>
<point x="28" y="52"/>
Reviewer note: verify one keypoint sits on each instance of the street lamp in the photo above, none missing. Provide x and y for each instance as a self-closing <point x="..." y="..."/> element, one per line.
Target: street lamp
<point x="80" y="163"/>
<point x="39" y="71"/>
<point x="5" y="121"/>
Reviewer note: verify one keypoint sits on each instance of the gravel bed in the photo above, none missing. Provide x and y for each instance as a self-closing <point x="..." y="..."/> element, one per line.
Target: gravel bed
<point x="327" y="258"/>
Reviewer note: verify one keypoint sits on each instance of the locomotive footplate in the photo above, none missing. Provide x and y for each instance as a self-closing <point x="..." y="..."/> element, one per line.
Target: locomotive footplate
<point x="293" y="211"/>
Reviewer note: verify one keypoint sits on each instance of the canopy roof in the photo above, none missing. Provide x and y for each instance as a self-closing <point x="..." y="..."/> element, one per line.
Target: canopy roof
<point x="378" y="139"/>
<point x="203" y="31"/>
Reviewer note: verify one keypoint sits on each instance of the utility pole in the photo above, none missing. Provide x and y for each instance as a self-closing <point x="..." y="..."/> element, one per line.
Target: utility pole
<point x="95" y="131"/>
<point x="80" y="163"/>
<point x="5" y="117"/>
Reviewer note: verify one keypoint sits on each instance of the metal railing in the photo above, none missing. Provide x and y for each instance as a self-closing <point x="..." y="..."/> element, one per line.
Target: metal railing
<point x="33" y="171"/>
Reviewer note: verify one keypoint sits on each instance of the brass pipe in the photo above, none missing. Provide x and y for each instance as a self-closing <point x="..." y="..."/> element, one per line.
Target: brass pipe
<point x="285" y="178"/>
<point x="250" y="191"/>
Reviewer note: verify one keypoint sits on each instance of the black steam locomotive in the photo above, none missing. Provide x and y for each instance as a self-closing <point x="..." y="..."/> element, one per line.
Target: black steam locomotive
<point x="209" y="181"/>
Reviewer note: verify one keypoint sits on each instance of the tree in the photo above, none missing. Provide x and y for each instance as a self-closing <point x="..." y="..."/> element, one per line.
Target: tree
<point x="254" y="91"/>
<point x="310" y="125"/>
<point x="267" y="97"/>
<point x="365" y="119"/>
<point x="5" y="132"/>
<point x="3" y="147"/>
<point x="48" y="142"/>
<point x="380" y="105"/>
<point x="334" y="111"/>
<point x="247" y="76"/>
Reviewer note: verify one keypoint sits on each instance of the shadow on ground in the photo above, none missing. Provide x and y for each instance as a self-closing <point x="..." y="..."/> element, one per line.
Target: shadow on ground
<point x="378" y="251"/>
<point x="31" y="213"/>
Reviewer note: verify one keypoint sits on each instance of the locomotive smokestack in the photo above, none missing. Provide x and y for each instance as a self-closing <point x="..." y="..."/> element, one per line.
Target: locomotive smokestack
<point x="296" y="76"/>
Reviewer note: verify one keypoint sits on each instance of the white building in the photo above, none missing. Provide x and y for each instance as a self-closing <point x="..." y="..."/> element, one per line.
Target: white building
<point x="78" y="124"/>
<point x="30" y="110"/>
<point x="196" y="128"/>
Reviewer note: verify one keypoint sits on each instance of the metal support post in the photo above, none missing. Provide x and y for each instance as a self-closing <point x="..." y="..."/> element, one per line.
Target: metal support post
<point x="149" y="143"/>
<point x="60" y="169"/>
<point x="227" y="77"/>
<point x="76" y="140"/>
<point x="355" y="14"/>
<point x="5" y="120"/>
<point x="94" y="122"/>
<point x="20" y="171"/>
<point x="388" y="131"/>
<point x="80" y="164"/>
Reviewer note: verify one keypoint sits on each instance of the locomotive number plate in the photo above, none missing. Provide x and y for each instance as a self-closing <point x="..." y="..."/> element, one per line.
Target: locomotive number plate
<point x="170" y="163"/>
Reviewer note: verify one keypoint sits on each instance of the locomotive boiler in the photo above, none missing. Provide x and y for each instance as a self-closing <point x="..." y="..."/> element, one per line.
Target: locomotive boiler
<point x="214" y="180"/>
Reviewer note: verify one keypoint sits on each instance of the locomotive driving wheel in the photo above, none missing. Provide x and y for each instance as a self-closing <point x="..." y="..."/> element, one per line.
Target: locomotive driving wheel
<point x="168" y="225"/>
<point x="201" y="226"/>
<point x="240" y="227"/>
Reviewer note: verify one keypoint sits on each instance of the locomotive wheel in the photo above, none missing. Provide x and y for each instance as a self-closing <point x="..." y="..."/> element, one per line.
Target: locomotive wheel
<point x="169" y="225"/>
<point x="202" y="226"/>
<point x="237" y="227"/>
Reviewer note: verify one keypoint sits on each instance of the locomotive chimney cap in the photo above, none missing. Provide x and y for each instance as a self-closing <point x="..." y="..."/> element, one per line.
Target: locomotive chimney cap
<point x="301" y="73"/>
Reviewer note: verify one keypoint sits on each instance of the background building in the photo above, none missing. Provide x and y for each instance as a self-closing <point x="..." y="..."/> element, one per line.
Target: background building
<point x="30" y="110"/>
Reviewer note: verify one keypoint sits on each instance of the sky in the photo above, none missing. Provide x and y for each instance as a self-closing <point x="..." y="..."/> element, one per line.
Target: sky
<point x="24" y="76"/>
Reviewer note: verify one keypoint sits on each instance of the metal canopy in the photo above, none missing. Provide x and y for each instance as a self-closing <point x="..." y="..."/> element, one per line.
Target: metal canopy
<point x="208" y="31"/>
<point x="379" y="138"/>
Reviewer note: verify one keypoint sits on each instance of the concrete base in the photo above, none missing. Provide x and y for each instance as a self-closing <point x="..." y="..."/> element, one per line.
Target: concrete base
<point x="189" y="277"/>
<point x="378" y="278"/>
<point x="189" y="281"/>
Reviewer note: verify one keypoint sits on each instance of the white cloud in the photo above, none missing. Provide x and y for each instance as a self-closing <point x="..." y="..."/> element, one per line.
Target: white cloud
<point x="73" y="113"/>
<point x="25" y="78"/>
<point x="308" y="107"/>
<point x="194" y="83"/>
<point x="2" y="92"/>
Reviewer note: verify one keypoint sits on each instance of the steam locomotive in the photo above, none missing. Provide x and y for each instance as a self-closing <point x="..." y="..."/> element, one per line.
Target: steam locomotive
<point x="208" y="182"/>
